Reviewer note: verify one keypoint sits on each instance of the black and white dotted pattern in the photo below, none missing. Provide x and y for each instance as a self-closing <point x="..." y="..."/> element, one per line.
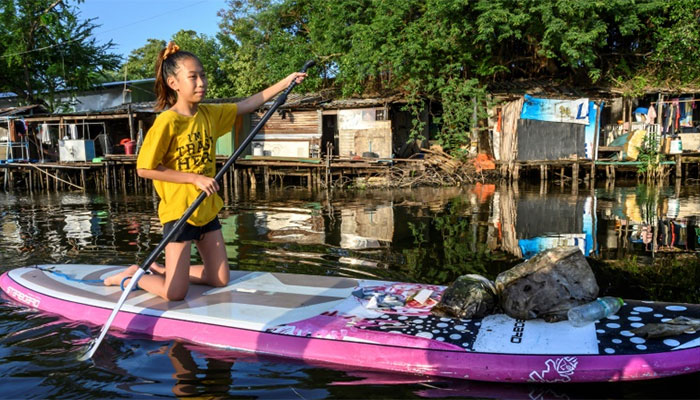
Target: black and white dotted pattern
<point x="615" y="336"/>
<point x="613" y="333"/>
<point x="460" y="332"/>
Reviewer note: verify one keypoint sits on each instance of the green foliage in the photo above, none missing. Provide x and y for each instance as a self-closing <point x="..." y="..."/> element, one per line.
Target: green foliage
<point x="673" y="279"/>
<point x="647" y="198"/>
<point x="650" y="159"/>
<point x="449" y="50"/>
<point x="46" y="47"/>
<point x="677" y="41"/>
<point x="141" y="62"/>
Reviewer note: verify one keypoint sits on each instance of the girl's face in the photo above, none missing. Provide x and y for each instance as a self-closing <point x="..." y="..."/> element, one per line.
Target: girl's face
<point x="189" y="81"/>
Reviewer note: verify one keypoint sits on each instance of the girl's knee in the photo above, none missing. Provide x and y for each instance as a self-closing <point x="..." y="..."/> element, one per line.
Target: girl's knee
<point x="221" y="283"/>
<point x="218" y="280"/>
<point x="176" y="294"/>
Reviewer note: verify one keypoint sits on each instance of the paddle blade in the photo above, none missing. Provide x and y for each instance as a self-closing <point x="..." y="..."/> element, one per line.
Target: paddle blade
<point x="83" y="356"/>
<point x="87" y="352"/>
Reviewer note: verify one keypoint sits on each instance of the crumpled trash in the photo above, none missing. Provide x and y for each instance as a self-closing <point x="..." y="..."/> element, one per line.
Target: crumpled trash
<point x="470" y="296"/>
<point x="483" y="161"/>
<point x="379" y="299"/>
<point x="672" y="327"/>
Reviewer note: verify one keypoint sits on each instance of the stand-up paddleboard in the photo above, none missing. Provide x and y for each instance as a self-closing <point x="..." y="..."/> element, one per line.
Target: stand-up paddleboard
<point x="370" y="324"/>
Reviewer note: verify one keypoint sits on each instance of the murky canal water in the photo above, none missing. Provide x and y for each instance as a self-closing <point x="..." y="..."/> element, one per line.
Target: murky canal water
<point x="421" y="235"/>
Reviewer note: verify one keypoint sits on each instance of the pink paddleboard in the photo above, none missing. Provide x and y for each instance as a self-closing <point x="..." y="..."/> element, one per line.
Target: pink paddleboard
<point x="369" y="324"/>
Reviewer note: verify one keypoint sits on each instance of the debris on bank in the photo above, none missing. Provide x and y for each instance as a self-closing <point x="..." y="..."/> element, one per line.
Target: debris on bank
<point x="441" y="169"/>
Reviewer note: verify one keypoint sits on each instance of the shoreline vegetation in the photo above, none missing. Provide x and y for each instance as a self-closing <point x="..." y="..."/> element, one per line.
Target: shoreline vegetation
<point x="671" y="278"/>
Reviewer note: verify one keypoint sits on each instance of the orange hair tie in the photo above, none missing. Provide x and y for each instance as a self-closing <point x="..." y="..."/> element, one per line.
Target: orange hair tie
<point x="171" y="49"/>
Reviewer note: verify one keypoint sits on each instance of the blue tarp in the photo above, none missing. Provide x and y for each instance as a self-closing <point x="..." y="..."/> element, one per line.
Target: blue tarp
<point x="556" y="110"/>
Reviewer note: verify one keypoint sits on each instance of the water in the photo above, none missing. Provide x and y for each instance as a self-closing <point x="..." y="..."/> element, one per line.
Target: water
<point x="421" y="235"/>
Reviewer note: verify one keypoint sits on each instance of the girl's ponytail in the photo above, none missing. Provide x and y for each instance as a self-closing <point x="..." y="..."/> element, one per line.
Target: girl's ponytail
<point x="167" y="64"/>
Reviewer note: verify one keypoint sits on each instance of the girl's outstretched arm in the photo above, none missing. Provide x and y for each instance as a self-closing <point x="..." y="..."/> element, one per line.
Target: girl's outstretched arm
<point x="254" y="102"/>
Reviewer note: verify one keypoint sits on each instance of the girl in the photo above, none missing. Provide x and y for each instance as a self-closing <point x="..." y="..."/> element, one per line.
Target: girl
<point x="178" y="154"/>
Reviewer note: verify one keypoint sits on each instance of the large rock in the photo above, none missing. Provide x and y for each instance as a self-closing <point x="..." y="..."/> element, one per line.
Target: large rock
<point x="547" y="285"/>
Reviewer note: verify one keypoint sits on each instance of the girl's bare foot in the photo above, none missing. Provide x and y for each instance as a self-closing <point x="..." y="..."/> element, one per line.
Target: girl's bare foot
<point x="116" y="279"/>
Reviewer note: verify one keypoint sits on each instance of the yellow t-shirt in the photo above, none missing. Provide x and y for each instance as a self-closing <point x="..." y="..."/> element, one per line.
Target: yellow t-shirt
<point x="186" y="144"/>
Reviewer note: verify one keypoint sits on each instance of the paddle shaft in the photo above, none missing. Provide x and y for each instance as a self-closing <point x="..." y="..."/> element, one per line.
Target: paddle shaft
<point x="281" y="99"/>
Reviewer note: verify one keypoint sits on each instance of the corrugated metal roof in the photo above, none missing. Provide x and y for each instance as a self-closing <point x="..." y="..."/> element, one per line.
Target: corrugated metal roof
<point x="13" y="111"/>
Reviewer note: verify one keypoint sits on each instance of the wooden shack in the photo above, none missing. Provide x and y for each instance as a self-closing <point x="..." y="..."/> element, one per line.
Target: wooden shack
<point x="288" y="133"/>
<point x="313" y="125"/>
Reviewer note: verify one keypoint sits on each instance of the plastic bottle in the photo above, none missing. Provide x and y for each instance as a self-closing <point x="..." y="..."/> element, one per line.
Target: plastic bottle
<point x="595" y="310"/>
<point x="139" y="140"/>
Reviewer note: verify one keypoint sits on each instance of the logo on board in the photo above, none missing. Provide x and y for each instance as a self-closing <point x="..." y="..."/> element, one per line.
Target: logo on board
<point x="23" y="297"/>
<point x="556" y="370"/>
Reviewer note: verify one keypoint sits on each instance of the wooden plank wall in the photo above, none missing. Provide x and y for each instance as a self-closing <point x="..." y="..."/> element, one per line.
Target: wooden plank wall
<point x="358" y="127"/>
<point x="376" y="140"/>
<point x="293" y="122"/>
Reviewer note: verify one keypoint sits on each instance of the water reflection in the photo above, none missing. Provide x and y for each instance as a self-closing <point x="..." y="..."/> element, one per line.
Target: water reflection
<point x="544" y="222"/>
<point x="459" y="230"/>
<point x="647" y="220"/>
<point x="367" y="227"/>
<point x="200" y="371"/>
<point x="427" y="235"/>
<point x="289" y="224"/>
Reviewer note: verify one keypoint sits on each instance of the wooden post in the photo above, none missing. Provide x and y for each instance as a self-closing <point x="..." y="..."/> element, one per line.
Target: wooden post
<point x="679" y="167"/>
<point x="107" y="177"/>
<point x="244" y="179"/>
<point x="123" y="174"/>
<point x="226" y="189"/>
<point x="308" y="179"/>
<point x="253" y="183"/>
<point x="131" y="121"/>
<point x="266" y="173"/>
<point x="236" y="182"/>
<point x="561" y="176"/>
<point x="574" y="178"/>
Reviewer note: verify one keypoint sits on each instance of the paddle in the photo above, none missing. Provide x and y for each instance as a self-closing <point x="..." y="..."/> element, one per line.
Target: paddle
<point x="181" y="222"/>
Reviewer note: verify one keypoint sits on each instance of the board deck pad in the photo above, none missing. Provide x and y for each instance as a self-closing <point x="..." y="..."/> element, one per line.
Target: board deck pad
<point x="370" y="323"/>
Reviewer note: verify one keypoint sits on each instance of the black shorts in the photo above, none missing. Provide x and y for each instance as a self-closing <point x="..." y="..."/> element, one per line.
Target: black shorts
<point x="190" y="232"/>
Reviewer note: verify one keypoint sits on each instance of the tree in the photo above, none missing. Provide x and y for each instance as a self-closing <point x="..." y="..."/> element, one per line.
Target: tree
<point x="45" y="47"/>
<point x="141" y="62"/>
<point x="448" y="51"/>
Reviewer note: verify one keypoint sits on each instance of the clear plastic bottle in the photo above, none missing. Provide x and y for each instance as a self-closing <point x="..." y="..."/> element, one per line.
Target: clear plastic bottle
<point x="139" y="140"/>
<point x="595" y="310"/>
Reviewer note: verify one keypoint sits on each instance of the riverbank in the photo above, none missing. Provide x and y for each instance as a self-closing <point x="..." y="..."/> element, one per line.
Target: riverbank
<point x="431" y="167"/>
